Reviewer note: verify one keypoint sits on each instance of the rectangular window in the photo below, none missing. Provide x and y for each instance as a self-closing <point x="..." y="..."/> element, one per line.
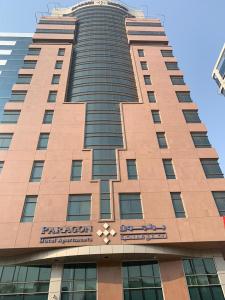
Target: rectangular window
<point x="61" y="52"/>
<point x="161" y="139"/>
<point x="132" y="169"/>
<point x="29" y="64"/>
<point x="10" y="116"/>
<point x="24" y="79"/>
<point x="5" y="140"/>
<point x="141" y="280"/>
<point x="48" y="116"/>
<point x="79" y="282"/>
<point x="178" y="205"/>
<point x="211" y="168"/>
<point x="168" y="167"/>
<point x="172" y="66"/>
<point x="144" y="24"/>
<point x="202" y="279"/>
<point x="184" y="96"/>
<point x="147" y="79"/>
<point x="167" y="53"/>
<point x="144" y="65"/>
<point x="156" y="116"/>
<point x="151" y="97"/>
<point x="76" y="170"/>
<point x="200" y="139"/>
<point x="34" y="51"/>
<point x="1" y="166"/>
<point x="130" y="206"/>
<point x="191" y="116"/>
<point x="29" y="209"/>
<point x="57" y="22"/>
<point x="55" y="79"/>
<point x="58" y="64"/>
<point x="141" y="53"/>
<point x="54" y="31"/>
<point x="36" y="172"/>
<point x="177" y="80"/>
<point x="18" y="96"/>
<point x="154" y="33"/>
<point x="43" y="141"/>
<point x="52" y="96"/>
<point x="219" y="198"/>
<point x="79" y="207"/>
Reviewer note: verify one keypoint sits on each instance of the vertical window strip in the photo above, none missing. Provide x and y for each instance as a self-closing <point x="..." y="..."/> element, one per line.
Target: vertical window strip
<point x="36" y="172"/>
<point x="29" y="209"/>
<point x="178" y="205"/>
<point x="76" y="170"/>
<point x="132" y="169"/>
<point x="169" y="170"/>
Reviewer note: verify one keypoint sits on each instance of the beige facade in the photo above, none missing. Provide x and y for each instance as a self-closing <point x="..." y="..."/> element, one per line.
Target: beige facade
<point x="105" y="242"/>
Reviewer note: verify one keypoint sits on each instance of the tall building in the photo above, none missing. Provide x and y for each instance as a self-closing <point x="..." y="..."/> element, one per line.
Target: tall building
<point x="13" y="48"/>
<point x="109" y="186"/>
<point x="219" y="72"/>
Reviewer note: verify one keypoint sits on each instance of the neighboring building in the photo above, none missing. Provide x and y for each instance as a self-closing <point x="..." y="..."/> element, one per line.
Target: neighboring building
<point x="13" y="48"/>
<point x="109" y="186"/>
<point x="219" y="72"/>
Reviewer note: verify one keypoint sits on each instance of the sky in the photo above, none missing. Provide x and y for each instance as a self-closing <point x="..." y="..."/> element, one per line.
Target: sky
<point x="195" y="29"/>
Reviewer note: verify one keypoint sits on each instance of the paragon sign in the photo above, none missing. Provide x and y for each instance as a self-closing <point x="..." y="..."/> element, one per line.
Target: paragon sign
<point x="66" y="234"/>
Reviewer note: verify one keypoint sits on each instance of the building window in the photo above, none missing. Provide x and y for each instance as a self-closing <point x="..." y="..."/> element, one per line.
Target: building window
<point x="141" y="53"/>
<point x="130" y="206"/>
<point x="43" y="141"/>
<point x="36" y="172"/>
<point x="144" y="24"/>
<point x="79" y="282"/>
<point x="144" y="65"/>
<point x="177" y="80"/>
<point x="34" y="51"/>
<point x="76" y="170"/>
<point x="24" y="79"/>
<point x="200" y="139"/>
<point x="61" y="52"/>
<point x="156" y="116"/>
<point x="141" y="281"/>
<point x="79" y="207"/>
<point x="211" y="168"/>
<point x="202" y="279"/>
<point x="132" y="169"/>
<point x="184" y="96"/>
<point x="29" y="64"/>
<point x="167" y="53"/>
<point x="52" y="96"/>
<point x="161" y="139"/>
<point x="5" y="140"/>
<point x="29" y="209"/>
<point x="18" y="96"/>
<point x="55" y="79"/>
<point x="48" y="116"/>
<point x="58" y="64"/>
<point x="168" y="167"/>
<point x="1" y="166"/>
<point x="10" y="116"/>
<point x="172" y="66"/>
<point x="147" y="80"/>
<point x="191" y="116"/>
<point x="154" y="33"/>
<point x="219" y="198"/>
<point x="24" y="283"/>
<point x="151" y="97"/>
<point x="178" y="205"/>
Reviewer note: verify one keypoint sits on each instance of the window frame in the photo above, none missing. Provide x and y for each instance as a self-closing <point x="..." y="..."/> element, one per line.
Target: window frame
<point x="131" y="215"/>
<point x="28" y="218"/>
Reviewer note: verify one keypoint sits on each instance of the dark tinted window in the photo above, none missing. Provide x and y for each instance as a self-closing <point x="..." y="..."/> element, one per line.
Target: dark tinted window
<point x="177" y="205"/>
<point x="79" y="207"/>
<point x="147" y="79"/>
<point x="168" y="167"/>
<point x="10" y="116"/>
<point x="191" y="116"/>
<point x="43" y="141"/>
<point x="52" y="96"/>
<point x="141" y="53"/>
<point x="5" y="140"/>
<point x="24" y="79"/>
<point x="161" y="139"/>
<point x="1" y="166"/>
<point x="177" y="80"/>
<point x="29" y="64"/>
<point x="200" y="139"/>
<point x="172" y="66"/>
<point x="167" y="53"/>
<point x="34" y="51"/>
<point x="151" y="97"/>
<point x="184" y="96"/>
<point x="219" y="198"/>
<point x="61" y="52"/>
<point x="156" y="116"/>
<point x="58" y="64"/>
<point x="144" y="65"/>
<point x="76" y="170"/>
<point x="18" y="96"/>
<point x="130" y="206"/>
<point x="55" y="79"/>
<point x="36" y="172"/>
<point x="131" y="169"/>
<point x="154" y="33"/>
<point x="211" y="168"/>
<point x="29" y="209"/>
<point x="48" y="116"/>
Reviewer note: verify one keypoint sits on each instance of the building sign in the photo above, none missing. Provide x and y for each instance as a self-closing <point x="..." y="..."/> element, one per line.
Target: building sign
<point x="66" y="234"/>
<point x="145" y="232"/>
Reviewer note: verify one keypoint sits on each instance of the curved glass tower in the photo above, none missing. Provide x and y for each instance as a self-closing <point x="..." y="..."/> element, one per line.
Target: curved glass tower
<point x="102" y="76"/>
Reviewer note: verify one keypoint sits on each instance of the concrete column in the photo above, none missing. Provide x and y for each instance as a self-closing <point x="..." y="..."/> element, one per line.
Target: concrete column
<point x="55" y="282"/>
<point x="220" y="267"/>
<point x="173" y="280"/>
<point x="109" y="281"/>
